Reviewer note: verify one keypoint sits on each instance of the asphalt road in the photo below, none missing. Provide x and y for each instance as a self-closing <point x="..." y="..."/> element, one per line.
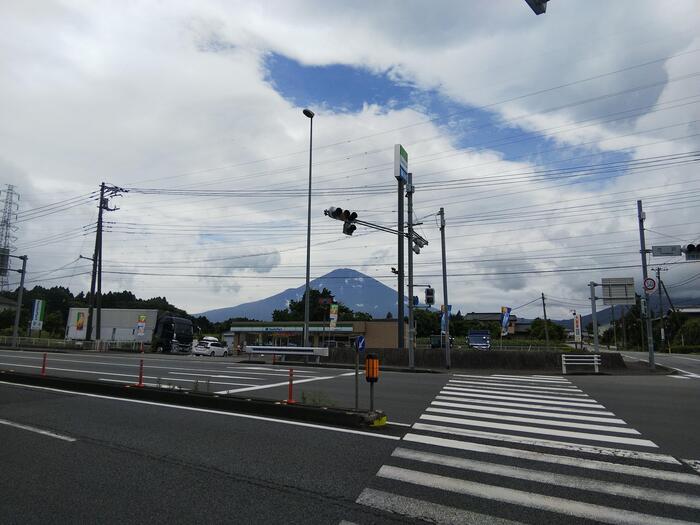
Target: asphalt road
<point x="686" y="365"/>
<point x="402" y="396"/>
<point x="487" y="449"/>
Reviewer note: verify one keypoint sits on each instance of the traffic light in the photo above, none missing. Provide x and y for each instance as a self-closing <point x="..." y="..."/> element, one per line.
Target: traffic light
<point x="347" y="216"/>
<point x="692" y="252"/>
<point x="430" y="296"/>
<point x="538" y="6"/>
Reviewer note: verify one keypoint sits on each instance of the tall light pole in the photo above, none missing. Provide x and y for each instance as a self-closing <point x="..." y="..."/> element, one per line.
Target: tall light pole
<point x="310" y="114"/>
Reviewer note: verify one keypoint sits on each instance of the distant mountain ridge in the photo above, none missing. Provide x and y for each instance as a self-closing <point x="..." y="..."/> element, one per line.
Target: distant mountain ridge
<point x="357" y="291"/>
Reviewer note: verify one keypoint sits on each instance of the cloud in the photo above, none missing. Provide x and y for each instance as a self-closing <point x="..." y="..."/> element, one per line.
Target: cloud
<point x="147" y="97"/>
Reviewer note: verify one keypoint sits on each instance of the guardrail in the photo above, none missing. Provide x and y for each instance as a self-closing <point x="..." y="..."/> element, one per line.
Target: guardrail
<point x="580" y="360"/>
<point x="70" y="344"/>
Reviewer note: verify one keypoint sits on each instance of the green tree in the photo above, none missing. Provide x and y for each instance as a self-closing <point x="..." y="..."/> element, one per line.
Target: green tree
<point x="318" y="310"/>
<point x="556" y="332"/>
<point x="689" y="333"/>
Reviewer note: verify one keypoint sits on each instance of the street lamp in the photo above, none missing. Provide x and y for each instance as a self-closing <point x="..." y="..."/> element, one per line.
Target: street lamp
<point x="310" y="114"/>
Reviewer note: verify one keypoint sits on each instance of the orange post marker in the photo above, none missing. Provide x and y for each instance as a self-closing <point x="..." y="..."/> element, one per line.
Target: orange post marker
<point x="43" y="365"/>
<point x="290" y="394"/>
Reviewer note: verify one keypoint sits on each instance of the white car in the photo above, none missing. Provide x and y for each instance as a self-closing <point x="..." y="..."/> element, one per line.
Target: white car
<point x="211" y="348"/>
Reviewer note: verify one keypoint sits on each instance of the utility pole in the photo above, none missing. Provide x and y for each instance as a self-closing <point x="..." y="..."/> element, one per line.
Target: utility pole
<point x="402" y="241"/>
<point x="614" y="327"/>
<point x="93" y="279"/>
<point x="546" y="329"/>
<point x="624" y="330"/>
<point x="411" y="328"/>
<point x="643" y="250"/>
<point x="448" y="360"/>
<point x="20" y="292"/>
<point x="96" y="279"/>
<point x="594" y="314"/>
<point x="661" y="308"/>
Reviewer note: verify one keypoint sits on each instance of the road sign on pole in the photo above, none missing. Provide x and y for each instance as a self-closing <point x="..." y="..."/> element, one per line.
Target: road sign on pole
<point x="673" y="250"/>
<point x="649" y="284"/>
<point x="618" y="290"/>
<point x="360" y="343"/>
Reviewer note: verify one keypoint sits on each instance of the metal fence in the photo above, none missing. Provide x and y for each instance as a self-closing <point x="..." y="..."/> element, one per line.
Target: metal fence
<point x="70" y="344"/>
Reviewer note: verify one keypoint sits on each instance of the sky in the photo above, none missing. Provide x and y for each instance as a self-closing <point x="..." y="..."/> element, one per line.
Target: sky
<point x="537" y="134"/>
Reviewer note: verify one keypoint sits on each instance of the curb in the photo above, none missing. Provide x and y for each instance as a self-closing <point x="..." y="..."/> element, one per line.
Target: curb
<point x="227" y="403"/>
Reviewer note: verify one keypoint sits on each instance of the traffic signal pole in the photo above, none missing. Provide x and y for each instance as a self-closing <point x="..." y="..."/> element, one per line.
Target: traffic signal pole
<point x="643" y="250"/>
<point x="411" y="328"/>
<point x="400" y="275"/>
<point x="448" y="360"/>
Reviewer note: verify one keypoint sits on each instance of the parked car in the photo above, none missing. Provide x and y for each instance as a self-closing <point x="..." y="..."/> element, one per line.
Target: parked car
<point x="211" y="348"/>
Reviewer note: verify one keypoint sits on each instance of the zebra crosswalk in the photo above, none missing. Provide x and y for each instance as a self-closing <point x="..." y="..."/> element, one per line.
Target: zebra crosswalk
<point x="506" y="449"/>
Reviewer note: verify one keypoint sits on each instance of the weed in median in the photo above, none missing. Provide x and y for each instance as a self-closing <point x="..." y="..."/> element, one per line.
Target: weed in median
<point x="317" y="399"/>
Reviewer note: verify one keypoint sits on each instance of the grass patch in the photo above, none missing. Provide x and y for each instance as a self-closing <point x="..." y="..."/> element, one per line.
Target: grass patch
<point x="316" y="398"/>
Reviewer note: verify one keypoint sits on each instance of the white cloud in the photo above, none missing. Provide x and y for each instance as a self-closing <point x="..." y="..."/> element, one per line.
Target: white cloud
<point x="152" y="96"/>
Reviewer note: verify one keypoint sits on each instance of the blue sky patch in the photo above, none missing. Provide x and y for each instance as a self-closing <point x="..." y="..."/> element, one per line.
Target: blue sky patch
<point x="346" y="89"/>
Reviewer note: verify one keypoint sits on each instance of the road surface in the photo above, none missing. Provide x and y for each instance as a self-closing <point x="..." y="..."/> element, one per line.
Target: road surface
<point x="488" y="449"/>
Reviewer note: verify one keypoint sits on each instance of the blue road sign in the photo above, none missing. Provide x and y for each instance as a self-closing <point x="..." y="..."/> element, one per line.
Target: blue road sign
<point x="360" y="343"/>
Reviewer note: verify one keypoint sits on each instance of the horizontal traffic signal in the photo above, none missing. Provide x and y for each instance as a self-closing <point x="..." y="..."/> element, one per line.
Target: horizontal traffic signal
<point x="347" y="216"/>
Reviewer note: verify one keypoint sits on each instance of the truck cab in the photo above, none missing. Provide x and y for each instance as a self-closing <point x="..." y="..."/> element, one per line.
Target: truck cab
<point x="173" y="334"/>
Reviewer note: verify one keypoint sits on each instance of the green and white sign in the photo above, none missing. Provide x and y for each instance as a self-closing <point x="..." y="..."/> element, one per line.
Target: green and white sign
<point x="38" y="314"/>
<point x="400" y="162"/>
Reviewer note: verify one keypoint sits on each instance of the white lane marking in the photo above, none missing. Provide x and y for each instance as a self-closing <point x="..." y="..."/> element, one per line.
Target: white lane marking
<point x="552" y="478"/>
<point x="534" y="421"/>
<point x="134" y="375"/>
<point x="687" y="358"/>
<point x="518" y="378"/>
<point x="206" y="411"/>
<point x="591" y="464"/>
<point x="517" y="387"/>
<point x="488" y="402"/>
<point x="285" y="383"/>
<point x="679" y="377"/>
<point x="135" y="362"/>
<point x="549" y="443"/>
<point x="614" y="516"/>
<point x="36" y="430"/>
<point x="399" y="424"/>
<point x="541" y="430"/>
<point x="693" y="463"/>
<point x="578" y="398"/>
<point x="425" y="510"/>
<point x="489" y="408"/>
<point x="691" y="374"/>
<point x="155" y="385"/>
<point x="452" y="392"/>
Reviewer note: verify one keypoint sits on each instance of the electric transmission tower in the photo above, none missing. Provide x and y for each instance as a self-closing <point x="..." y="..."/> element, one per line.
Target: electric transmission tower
<point x="7" y="230"/>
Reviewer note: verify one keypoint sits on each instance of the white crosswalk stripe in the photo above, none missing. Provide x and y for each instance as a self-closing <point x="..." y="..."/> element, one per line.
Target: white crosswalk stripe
<point x="528" y="453"/>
